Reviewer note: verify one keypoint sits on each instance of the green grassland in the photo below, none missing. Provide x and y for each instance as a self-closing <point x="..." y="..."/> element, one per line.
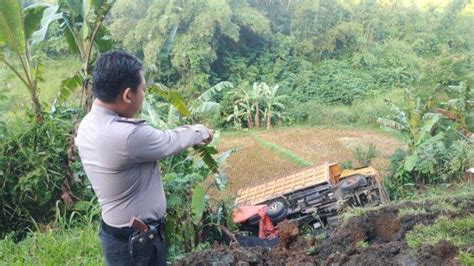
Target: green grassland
<point x="17" y="97"/>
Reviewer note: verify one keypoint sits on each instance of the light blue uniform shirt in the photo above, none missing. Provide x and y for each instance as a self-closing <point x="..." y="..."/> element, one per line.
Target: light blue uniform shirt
<point x="120" y="156"/>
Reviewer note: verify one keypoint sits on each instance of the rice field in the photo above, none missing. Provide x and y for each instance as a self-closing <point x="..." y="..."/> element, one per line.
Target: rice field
<point x="255" y="163"/>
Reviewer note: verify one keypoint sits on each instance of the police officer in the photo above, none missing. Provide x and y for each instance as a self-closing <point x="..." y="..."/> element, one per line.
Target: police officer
<point x="119" y="155"/>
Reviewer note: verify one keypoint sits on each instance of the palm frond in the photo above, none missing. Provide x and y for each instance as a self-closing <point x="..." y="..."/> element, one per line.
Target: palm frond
<point x="206" y="152"/>
<point x="206" y="107"/>
<point x="165" y="50"/>
<point x="211" y="92"/>
<point x="389" y="123"/>
<point x="150" y="114"/>
<point x="171" y="96"/>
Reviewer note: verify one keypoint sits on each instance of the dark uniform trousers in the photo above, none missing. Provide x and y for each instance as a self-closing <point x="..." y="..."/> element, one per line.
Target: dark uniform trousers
<point x="116" y="248"/>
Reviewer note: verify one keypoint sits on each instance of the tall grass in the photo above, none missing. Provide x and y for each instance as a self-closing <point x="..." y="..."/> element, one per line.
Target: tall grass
<point x="71" y="240"/>
<point x="78" y="246"/>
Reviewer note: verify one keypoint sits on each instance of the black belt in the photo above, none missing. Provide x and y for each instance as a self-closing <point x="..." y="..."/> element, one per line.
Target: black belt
<point x="124" y="233"/>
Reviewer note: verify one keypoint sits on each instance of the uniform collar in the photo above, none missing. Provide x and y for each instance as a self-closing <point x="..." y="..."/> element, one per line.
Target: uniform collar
<point x="102" y="110"/>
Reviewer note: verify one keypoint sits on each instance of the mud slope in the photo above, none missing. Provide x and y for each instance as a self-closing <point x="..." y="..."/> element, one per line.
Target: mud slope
<point x="376" y="237"/>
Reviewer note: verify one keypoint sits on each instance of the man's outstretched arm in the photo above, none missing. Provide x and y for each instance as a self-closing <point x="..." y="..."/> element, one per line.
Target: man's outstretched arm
<point x="149" y="144"/>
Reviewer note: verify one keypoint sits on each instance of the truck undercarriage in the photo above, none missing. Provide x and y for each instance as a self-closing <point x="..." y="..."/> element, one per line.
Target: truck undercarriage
<point x="313" y="196"/>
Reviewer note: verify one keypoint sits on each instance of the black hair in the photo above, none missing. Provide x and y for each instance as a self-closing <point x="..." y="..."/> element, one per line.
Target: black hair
<point x="114" y="72"/>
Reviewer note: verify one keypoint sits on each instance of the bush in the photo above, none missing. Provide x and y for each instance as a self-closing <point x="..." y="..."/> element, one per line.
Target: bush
<point x="435" y="163"/>
<point x="362" y="112"/>
<point x="33" y="166"/>
<point x="365" y="156"/>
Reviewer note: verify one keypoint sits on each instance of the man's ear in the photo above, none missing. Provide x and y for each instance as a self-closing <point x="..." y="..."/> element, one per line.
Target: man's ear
<point x="126" y="95"/>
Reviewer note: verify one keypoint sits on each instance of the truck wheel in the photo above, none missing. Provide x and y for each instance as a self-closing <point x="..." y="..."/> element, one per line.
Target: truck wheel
<point x="353" y="182"/>
<point x="277" y="211"/>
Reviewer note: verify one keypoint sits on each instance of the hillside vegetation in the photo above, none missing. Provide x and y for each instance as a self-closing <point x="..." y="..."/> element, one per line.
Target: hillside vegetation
<point x="288" y="84"/>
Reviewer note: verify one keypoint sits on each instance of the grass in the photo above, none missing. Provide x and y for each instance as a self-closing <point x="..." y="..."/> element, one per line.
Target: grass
<point x="362" y="244"/>
<point x="466" y="258"/>
<point x="443" y="191"/>
<point x="252" y="164"/>
<point x="410" y="211"/>
<point x="18" y="97"/>
<point x="459" y="231"/>
<point x="355" y="211"/>
<point x="432" y="199"/>
<point x="70" y="240"/>
<point x="267" y="154"/>
<point x="282" y="151"/>
<point x="79" y="246"/>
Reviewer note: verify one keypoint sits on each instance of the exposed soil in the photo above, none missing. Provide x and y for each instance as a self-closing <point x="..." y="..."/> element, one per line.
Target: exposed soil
<point x="375" y="238"/>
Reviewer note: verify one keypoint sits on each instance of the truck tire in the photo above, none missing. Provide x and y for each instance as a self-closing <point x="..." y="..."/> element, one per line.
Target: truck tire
<point x="277" y="211"/>
<point x="353" y="182"/>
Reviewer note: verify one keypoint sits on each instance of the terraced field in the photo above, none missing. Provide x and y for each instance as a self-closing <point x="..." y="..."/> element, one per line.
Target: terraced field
<point x="264" y="155"/>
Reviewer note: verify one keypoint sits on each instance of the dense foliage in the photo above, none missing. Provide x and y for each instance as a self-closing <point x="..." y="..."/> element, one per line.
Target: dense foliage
<point x="232" y="64"/>
<point x="331" y="52"/>
<point x="35" y="170"/>
<point x="437" y="151"/>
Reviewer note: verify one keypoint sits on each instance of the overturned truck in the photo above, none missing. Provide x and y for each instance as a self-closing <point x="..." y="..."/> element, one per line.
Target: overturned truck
<point x="311" y="196"/>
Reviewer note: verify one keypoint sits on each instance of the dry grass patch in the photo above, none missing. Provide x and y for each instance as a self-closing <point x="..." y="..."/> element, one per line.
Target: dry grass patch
<point x="333" y="145"/>
<point x="252" y="164"/>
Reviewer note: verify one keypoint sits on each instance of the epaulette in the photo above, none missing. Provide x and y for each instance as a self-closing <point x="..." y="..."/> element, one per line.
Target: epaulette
<point x="130" y="120"/>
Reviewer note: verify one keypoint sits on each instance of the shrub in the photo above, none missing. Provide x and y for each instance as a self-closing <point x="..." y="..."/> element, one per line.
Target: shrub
<point x="362" y="112"/>
<point x="34" y="165"/>
<point x="436" y="153"/>
<point x="339" y="82"/>
<point x="365" y="156"/>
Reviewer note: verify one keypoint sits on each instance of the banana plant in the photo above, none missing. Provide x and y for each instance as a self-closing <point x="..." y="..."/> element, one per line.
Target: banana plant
<point x="87" y="36"/>
<point x="459" y="106"/>
<point x="256" y="96"/>
<point x="408" y="124"/>
<point x="175" y="103"/>
<point x="272" y="99"/>
<point x="415" y="126"/>
<point x="243" y="103"/>
<point x="20" y="31"/>
<point x="236" y="117"/>
<point x="204" y="103"/>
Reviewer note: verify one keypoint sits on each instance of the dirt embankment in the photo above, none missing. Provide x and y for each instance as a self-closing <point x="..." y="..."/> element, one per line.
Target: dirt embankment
<point x="374" y="238"/>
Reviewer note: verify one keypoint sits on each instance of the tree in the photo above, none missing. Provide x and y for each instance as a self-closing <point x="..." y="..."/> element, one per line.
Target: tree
<point x="256" y="94"/>
<point x="272" y="99"/>
<point x="459" y="106"/>
<point x="203" y="27"/>
<point x="18" y="34"/>
<point x="205" y="103"/>
<point x="87" y="36"/>
<point x="244" y="102"/>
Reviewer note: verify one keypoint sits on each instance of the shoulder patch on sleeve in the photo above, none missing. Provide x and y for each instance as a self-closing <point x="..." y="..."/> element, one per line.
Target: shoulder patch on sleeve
<point x="130" y="120"/>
